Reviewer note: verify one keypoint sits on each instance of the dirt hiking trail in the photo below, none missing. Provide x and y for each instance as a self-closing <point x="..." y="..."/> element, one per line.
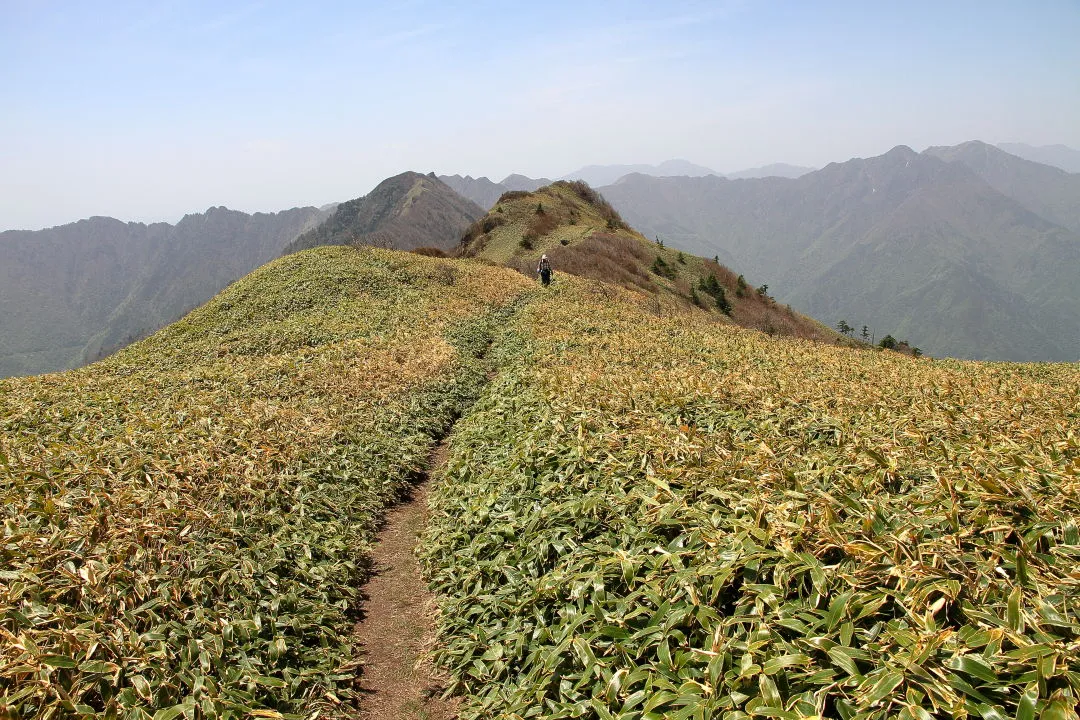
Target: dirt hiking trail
<point x="399" y="682"/>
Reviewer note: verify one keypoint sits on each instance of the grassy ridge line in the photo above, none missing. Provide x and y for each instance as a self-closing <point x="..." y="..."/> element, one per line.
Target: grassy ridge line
<point x="186" y="524"/>
<point x="659" y="518"/>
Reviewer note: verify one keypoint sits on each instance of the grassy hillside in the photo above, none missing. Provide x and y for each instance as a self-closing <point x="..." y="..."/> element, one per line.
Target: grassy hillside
<point x="646" y="515"/>
<point x="186" y="523"/>
<point x="583" y="235"/>
<point x="666" y="518"/>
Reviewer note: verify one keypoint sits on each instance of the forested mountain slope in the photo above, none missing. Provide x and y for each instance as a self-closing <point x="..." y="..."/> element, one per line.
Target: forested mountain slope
<point x="1047" y="191"/>
<point x="906" y="243"/>
<point x="403" y="212"/>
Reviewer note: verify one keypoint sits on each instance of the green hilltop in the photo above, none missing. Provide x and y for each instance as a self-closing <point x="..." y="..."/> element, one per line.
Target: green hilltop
<point x="584" y="235"/>
<point x="643" y="515"/>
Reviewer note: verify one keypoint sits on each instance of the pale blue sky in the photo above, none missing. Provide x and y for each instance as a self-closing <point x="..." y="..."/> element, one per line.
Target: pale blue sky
<point x="147" y="110"/>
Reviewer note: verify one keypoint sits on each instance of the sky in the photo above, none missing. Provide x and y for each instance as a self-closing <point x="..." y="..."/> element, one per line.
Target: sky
<point x="148" y="110"/>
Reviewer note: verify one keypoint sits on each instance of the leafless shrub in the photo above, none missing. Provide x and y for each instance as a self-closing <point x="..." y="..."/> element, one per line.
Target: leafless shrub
<point x="603" y="256"/>
<point x="429" y="252"/>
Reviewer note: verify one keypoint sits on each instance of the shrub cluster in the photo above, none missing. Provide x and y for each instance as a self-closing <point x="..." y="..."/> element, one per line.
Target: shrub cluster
<point x="430" y="252"/>
<point x="663" y="268"/>
<point x="712" y="287"/>
<point x="614" y="259"/>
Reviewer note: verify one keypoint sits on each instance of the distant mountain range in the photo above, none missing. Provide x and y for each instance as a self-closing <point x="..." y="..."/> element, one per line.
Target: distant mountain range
<point x="597" y="175"/>
<point x="72" y="294"/>
<point x="485" y="193"/>
<point x="405" y="212"/>
<point x="1059" y="156"/>
<point x="968" y="251"/>
<point x="774" y="170"/>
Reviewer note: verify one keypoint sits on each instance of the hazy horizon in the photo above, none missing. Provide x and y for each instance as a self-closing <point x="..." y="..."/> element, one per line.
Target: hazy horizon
<point x="148" y="111"/>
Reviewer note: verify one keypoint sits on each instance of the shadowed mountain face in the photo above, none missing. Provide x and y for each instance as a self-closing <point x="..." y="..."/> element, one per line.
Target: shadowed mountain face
<point x="1047" y="191"/>
<point x="74" y="293"/>
<point x="481" y="191"/>
<point x="484" y="192"/>
<point x="404" y="212"/>
<point x="909" y="244"/>
<point x="1059" y="156"/>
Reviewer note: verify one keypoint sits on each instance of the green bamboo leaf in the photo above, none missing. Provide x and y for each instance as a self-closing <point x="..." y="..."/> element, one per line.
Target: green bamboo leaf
<point x="142" y="687"/>
<point x="1059" y="709"/>
<point x="634" y="699"/>
<point x="839" y="655"/>
<point x="883" y="686"/>
<point x="770" y="692"/>
<point x="918" y="713"/>
<point x="99" y="667"/>
<point x="1015" y="619"/>
<point x="661" y="697"/>
<point x="1025" y="708"/>
<point x="973" y="665"/>
<point x="836" y="609"/>
<point x="174" y="711"/>
<point x="989" y="712"/>
<point x="776" y="664"/>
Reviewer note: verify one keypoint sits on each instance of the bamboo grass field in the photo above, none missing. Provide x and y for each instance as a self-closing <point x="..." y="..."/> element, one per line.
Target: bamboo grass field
<point x="186" y="524"/>
<point x="646" y="512"/>
<point x="660" y="517"/>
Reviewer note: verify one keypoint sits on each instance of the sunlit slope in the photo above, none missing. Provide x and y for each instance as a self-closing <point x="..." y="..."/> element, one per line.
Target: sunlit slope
<point x="660" y="517"/>
<point x="583" y="235"/>
<point x="186" y="523"/>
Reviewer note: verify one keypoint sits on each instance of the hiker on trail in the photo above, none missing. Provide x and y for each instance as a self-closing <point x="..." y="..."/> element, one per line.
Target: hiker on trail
<point x="544" y="270"/>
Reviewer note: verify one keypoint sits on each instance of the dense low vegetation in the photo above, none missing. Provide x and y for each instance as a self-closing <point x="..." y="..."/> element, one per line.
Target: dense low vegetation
<point x="660" y="517"/>
<point x="185" y="525"/>
<point x="650" y="513"/>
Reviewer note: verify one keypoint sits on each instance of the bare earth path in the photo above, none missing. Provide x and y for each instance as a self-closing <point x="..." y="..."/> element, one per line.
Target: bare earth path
<point x="398" y="681"/>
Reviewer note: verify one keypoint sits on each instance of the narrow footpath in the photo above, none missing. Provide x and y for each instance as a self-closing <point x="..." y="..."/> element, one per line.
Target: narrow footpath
<point x="398" y="681"/>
